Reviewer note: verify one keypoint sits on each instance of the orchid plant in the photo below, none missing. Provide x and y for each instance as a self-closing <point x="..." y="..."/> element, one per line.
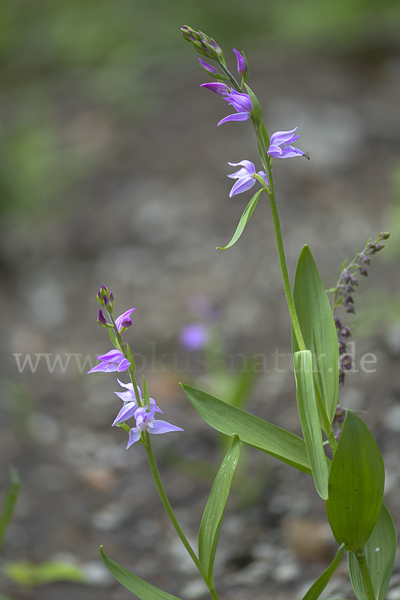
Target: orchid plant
<point x="337" y="449"/>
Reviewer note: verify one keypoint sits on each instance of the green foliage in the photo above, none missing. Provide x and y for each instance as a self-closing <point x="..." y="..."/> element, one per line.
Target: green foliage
<point x="318" y="586"/>
<point x="251" y="430"/>
<point x="9" y="504"/>
<point x="27" y="573"/>
<point x="380" y="552"/>
<point x="248" y="211"/>
<point x="133" y="583"/>
<point x="319" y="333"/>
<point x="212" y="518"/>
<point x="309" y="420"/>
<point x="356" y="485"/>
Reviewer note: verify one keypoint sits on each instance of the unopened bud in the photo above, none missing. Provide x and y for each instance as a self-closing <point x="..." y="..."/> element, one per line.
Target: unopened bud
<point x="350" y="309"/>
<point x="101" y="319"/>
<point x="241" y="63"/>
<point x="364" y="272"/>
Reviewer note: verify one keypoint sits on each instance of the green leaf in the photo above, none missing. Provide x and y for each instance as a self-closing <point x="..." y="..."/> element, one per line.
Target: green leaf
<point x="113" y="339"/>
<point x="356" y="483"/>
<point x="133" y="583"/>
<point x="257" y="111"/>
<point x="29" y="574"/>
<point x="251" y="430"/>
<point x="309" y="420"/>
<point x="319" y="333"/>
<point x="380" y="552"/>
<point x="212" y="518"/>
<point x="243" y="220"/>
<point x="318" y="587"/>
<point x="146" y="395"/>
<point x="9" y="503"/>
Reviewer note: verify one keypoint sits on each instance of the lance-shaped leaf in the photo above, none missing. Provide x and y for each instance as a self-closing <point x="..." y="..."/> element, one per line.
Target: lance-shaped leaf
<point x="356" y="483"/>
<point x="318" y="587"/>
<point x="309" y="420"/>
<point x="319" y="333"/>
<point x="133" y="583"/>
<point x="251" y="430"/>
<point x="212" y="518"/>
<point x="248" y="211"/>
<point x="380" y="552"/>
<point x="10" y="502"/>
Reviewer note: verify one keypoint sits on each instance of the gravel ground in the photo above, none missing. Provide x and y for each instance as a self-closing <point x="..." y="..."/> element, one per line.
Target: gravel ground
<point x="147" y="225"/>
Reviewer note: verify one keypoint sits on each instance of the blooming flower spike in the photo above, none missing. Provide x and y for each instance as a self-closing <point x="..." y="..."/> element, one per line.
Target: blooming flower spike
<point x="111" y="361"/>
<point x="281" y="144"/>
<point x="245" y="177"/>
<point x="145" y="422"/>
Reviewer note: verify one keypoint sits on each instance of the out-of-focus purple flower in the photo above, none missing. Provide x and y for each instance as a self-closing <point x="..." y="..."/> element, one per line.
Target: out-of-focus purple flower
<point x="241" y="63"/>
<point x="241" y="103"/>
<point x="113" y="360"/>
<point x="130" y="403"/>
<point x="195" y="336"/>
<point x="245" y="177"/>
<point x="145" y="421"/>
<point x="281" y="144"/>
<point x="218" y="88"/>
<point x="208" y="67"/>
<point x="123" y="321"/>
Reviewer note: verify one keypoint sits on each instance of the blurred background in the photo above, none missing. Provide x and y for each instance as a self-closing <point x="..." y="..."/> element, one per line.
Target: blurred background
<point x="112" y="171"/>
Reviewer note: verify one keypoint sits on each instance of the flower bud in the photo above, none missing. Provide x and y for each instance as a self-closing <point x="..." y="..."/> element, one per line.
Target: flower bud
<point x="350" y="309"/>
<point x="345" y="276"/>
<point x="366" y="260"/>
<point x="364" y="272"/>
<point x="241" y="63"/>
<point x="342" y="348"/>
<point x="212" y="70"/>
<point x="349" y="289"/>
<point x="384" y="235"/>
<point x="337" y="322"/>
<point x="101" y="319"/>
<point x="353" y="280"/>
<point x="348" y="299"/>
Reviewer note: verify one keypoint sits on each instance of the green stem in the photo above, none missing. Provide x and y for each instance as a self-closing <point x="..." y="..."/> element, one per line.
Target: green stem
<point x="366" y="577"/>
<point x="170" y="513"/>
<point x="279" y="241"/>
<point x="125" y="353"/>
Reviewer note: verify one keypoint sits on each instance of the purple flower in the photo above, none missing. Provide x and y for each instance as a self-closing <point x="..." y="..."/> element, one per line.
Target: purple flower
<point x="208" y="67"/>
<point x="130" y="404"/>
<point x="241" y="63"/>
<point x="245" y="177"/>
<point x="123" y="321"/>
<point x="241" y="103"/>
<point x="281" y="144"/>
<point x="218" y="88"/>
<point x="145" y="421"/>
<point x="113" y="360"/>
<point x="195" y="336"/>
